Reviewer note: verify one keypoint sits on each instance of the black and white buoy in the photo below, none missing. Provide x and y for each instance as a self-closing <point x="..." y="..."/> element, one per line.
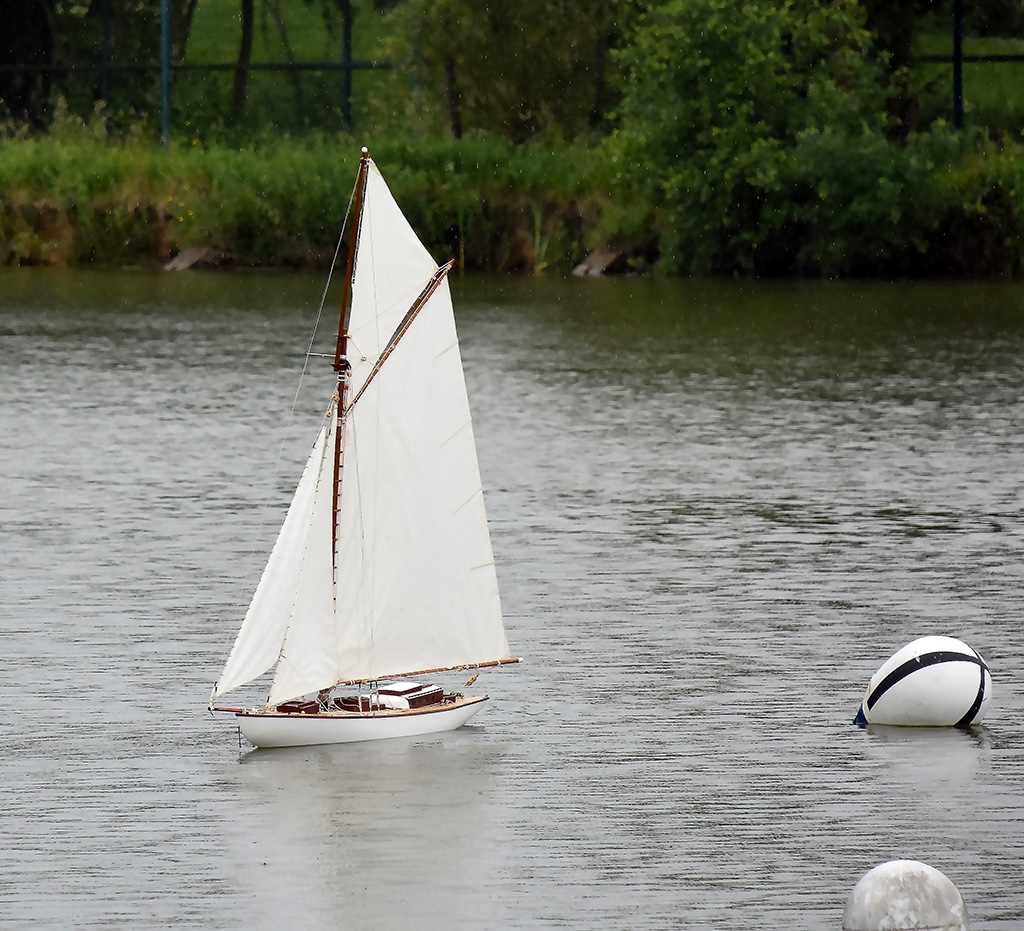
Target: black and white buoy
<point x="905" y="895"/>
<point x="931" y="682"/>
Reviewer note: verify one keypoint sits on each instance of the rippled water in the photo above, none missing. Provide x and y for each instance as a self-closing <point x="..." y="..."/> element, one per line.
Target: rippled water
<point x="716" y="509"/>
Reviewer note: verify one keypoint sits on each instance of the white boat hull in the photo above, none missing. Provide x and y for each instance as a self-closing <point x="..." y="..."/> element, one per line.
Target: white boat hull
<point x="276" y="729"/>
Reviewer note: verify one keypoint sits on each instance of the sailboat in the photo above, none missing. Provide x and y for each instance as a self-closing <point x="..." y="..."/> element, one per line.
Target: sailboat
<point x="382" y="574"/>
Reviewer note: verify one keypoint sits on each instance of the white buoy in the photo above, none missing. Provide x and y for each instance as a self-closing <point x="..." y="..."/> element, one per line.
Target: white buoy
<point x="905" y="895"/>
<point x="931" y="682"/>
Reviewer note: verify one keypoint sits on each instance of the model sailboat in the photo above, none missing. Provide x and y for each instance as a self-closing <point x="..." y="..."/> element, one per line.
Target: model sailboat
<point x="382" y="570"/>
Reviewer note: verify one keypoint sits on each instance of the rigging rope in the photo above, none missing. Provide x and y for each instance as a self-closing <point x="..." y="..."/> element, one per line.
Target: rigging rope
<point x="298" y="388"/>
<point x="323" y="297"/>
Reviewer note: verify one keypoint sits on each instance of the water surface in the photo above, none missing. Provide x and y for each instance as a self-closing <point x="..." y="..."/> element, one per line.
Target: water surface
<point x="716" y="509"/>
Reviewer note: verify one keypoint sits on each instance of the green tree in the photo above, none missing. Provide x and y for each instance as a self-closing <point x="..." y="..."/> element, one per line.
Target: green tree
<point x="27" y="40"/>
<point x="78" y="37"/>
<point x="521" y="68"/>
<point x="758" y="132"/>
<point x="894" y="23"/>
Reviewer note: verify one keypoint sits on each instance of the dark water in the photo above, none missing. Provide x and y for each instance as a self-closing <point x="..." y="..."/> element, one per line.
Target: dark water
<point x="716" y="508"/>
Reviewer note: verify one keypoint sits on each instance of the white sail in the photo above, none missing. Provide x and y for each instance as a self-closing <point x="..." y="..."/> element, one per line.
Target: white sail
<point x="392" y="266"/>
<point x="416" y="577"/>
<point x="412" y="585"/>
<point x="308" y="657"/>
<point x="297" y="565"/>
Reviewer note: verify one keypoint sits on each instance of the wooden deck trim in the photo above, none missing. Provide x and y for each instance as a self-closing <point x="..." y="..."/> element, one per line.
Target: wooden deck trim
<point x="354" y="715"/>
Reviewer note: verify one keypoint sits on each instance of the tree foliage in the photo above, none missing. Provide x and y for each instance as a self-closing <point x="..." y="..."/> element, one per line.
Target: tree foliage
<point x="76" y="39"/>
<point x="761" y="133"/>
<point x="763" y="136"/>
<point x="27" y="39"/>
<point x="523" y="68"/>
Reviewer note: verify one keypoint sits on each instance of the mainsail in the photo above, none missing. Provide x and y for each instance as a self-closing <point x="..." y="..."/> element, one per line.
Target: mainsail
<point x="411" y="584"/>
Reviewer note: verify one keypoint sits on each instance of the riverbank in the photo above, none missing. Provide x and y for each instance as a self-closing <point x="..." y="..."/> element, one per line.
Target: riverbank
<point x="78" y="198"/>
<point x="72" y="201"/>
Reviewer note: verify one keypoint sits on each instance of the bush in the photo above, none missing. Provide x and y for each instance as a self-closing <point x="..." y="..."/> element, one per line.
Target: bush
<point x="759" y="134"/>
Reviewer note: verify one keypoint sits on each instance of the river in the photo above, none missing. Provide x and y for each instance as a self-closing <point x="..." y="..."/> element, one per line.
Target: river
<point x="716" y="509"/>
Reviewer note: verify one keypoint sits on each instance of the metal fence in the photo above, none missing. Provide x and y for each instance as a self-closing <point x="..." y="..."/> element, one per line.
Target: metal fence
<point x="347" y="66"/>
<point x="958" y="59"/>
<point x="168" y="72"/>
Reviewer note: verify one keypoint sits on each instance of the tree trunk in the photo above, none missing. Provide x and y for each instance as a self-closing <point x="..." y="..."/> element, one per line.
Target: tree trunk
<point x="238" y="93"/>
<point x="346" y="53"/>
<point x="454" y="98"/>
<point x="282" y="28"/>
<point x="183" y="27"/>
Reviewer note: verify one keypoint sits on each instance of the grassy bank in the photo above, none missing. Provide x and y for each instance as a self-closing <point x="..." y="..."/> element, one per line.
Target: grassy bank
<point x="72" y="197"/>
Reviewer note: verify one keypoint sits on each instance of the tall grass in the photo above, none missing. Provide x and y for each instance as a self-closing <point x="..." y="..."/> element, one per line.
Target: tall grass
<point x="73" y="197"/>
<point x="937" y="205"/>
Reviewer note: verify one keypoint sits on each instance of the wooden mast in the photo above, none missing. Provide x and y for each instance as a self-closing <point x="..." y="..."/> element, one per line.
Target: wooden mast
<point x="341" y="366"/>
<point x="346" y="297"/>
